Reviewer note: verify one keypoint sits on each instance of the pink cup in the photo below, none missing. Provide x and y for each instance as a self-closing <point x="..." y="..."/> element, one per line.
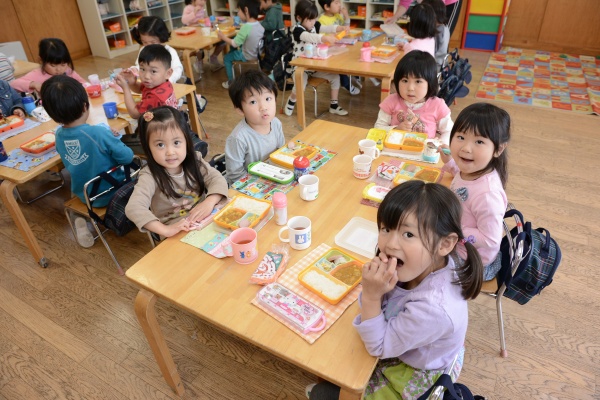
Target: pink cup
<point x="244" y="242"/>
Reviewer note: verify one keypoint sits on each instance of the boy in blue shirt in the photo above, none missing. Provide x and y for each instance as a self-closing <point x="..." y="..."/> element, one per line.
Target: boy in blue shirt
<point x="85" y="150"/>
<point x="246" y="41"/>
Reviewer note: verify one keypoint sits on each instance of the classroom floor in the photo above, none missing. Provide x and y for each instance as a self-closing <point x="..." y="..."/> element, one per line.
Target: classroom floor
<point x="69" y="331"/>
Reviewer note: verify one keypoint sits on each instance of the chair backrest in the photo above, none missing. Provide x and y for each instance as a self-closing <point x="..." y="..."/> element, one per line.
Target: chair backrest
<point x="14" y="49"/>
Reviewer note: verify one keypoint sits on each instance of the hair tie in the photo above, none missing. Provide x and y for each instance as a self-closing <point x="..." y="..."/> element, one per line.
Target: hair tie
<point x="148" y="115"/>
<point x="470" y="239"/>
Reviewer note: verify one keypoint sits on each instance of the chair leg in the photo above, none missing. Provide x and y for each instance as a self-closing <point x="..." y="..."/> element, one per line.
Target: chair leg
<point x="203" y="128"/>
<point x="105" y="243"/>
<point x="283" y="95"/>
<point x="315" y="92"/>
<point x="503" y="351"/>
<point x="29" y="201"/>
<point x="151" y="239"/>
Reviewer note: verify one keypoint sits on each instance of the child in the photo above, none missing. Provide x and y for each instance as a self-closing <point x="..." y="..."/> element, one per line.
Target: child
<point x="422" y="28"/>
<point x="414" y="311"/>
<point x="335" y="14"/>
<point x="414" y="107"/>
<point x="260" y="133"/>
<point x="156" y="89"/>
<point x="11" y="102"/>
<point x="442" y="33"/>
<point x="452" y="9"/>
<point x="248" y="38"/>
<point x="479" y="163"/>
<point x="153" y="30"/>
<point x="194" y="13"/>
<point x="55" y="59"/>
<point x="273" y="17"/>
<point x="177" y="188"/>
<point x="85" y="150"/>
<point x="7" y="71"/>
<point x="307" y="31"/>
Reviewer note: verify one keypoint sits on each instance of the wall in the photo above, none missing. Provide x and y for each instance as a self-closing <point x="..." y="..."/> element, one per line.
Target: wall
<point x="28" y="21"/>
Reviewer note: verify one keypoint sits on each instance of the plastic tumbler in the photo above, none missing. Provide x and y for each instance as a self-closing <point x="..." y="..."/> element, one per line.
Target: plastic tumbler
<point x="110" y="109"/>
<point x="3" y="155"/>
<point x="244" y="245"/>
<point x="28" y="104"/>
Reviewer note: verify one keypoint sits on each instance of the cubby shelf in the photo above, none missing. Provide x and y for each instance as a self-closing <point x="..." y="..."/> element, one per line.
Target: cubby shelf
<point x="484" y="24"/>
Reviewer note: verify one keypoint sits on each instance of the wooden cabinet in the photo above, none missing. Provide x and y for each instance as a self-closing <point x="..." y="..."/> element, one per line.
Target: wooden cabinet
<point x="484" y="24"/>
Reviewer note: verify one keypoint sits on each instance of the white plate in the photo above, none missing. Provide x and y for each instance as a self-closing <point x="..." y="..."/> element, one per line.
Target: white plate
<point x="360" y="236"/>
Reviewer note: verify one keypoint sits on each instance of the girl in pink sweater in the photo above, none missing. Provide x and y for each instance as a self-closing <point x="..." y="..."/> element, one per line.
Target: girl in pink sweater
<point x="479" y="163"/>
<point x="55" y="59"/>
<point x="422" y="28"/>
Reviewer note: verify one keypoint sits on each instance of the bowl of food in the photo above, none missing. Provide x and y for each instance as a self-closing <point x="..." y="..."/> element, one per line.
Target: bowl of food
<point x="40" y="145"/>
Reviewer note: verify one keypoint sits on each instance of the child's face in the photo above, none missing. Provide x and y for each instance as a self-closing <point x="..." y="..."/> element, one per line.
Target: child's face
<point x="200" y="3"/>
<point x="472" y="154"/>
<point x="413" y="89"/>
<point x="154" y="74"/>
<point x="265" y="4"/>
<point x="56" y="69"/>
<point x="414" y="261"/>
<point x="308" y="24"/>
<point x="259" y="110"/>
<point x="335" y="7"/>
<point x="149" y="39"/>
<point x="168" y="148"/>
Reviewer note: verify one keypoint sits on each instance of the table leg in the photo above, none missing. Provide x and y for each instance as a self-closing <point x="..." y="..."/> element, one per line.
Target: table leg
<point x="193" y="112"/>
<point x="187" y="64"/>
<point x="298" y="85"/>
<point x="146" y="314"/>
<point x="346" y="395"/>
<point x="6" y="194"/>
<point x="386" y="86"/>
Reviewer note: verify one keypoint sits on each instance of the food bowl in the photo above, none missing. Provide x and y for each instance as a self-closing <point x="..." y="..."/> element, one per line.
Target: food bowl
<point x="40" y="145"/>
<point x="94" y="91"/>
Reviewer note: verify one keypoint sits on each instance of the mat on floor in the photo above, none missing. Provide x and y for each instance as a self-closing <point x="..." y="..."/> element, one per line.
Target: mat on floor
<point x="543" y="79"/>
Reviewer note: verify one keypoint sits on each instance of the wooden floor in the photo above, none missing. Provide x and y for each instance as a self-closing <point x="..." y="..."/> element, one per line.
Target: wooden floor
<point x="69" y="331"/>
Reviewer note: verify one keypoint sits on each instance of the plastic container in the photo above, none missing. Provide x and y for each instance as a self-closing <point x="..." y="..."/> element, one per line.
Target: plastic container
<point x="279" y="201"/>
<point x="309" y="50"/>
<point x="383" y="52"/>
<point x="242" y="208"/>
<point x="28" y="104"/>
<point x="365" y="52"/>
<point x="40" y="145"/>
<point x="410" y="171"/>
<point x="94" y="91"/>
<point x="185" y="30"/>
<point x="110" y="110"/>
<point x="377" y="135"/>
<point x="285" y="156"/>
<point x="12" y="121"/>
<point x="322" y="50"/>
<point x="366" y="35"/>
<point x="406" y="141"/>
<point x="301" y="167"/>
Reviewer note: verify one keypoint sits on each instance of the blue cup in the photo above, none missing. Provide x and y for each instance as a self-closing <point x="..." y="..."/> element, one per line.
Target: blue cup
<point x="28" y="104"/>
<point x="3" y="155"/>
<point x="110" y="110"/>
<point x="366" y="35"/>
<point x="237" y="21"/>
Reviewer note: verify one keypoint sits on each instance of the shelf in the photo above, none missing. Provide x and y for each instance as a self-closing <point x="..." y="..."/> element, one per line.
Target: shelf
<point x="176" y="2"/>
<point x="111" y="33"/>
<point x="128" y="12"/>
<point x="356" y="1"/>
<point x="109" y="16"/>
<point x="156" y="7"/>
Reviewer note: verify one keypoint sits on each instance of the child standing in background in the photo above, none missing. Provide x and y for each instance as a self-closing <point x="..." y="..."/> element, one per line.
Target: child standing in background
<point x="246" y="41"/>
<point x="452" y="12"/>
<point x="153" y="30"/>
<point x="442" y="35"/>
<point x="177" y="188"/>
<point x="422" y="28"/>
<point x="273" y="17"/>
<point x="336" y="14"/>
<point x="306" y="32"/>
<point x="55" y="60"/>
<point x="479" y="163"/>
<point x="85" y="150"/>
<point x="415" y="107"/>
<point x="414" y="311"/>
<point x="194" y="13"/>
<point x="259" y="133"/>
<point x="11" y="102"/>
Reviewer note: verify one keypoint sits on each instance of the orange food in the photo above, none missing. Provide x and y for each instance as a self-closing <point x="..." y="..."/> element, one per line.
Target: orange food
<point x="428" y="175"/>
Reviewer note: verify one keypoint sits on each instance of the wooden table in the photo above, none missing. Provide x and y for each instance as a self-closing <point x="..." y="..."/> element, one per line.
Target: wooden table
<point x="217" y="290"/>
<point x="22" y="67"/>
<point x="345" y="63"/>
<point x="190" y="43"/>
<point x="12" y="177"/>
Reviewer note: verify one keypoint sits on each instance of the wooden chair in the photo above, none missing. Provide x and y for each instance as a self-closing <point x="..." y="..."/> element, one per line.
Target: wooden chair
<point x="313" y="83"/>
<point x="242" y="66"/>
<point x="497" y="287"/>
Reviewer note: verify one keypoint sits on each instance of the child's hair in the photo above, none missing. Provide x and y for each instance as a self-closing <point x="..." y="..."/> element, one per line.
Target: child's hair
<point x="64" y="98"/>
<point x="491" y="122"/>
<point x="253" y="7"/>
<point x="155" y="52"/>
<point x="324" y="3"/>
<point x="418" y="64"/>
<point x="161" y="119"/>
<point x="151" y="26"/>
<point x="54" y="51"/>
<point x="252" y="80"/>
<point x="438" y="212"/>
<point x="306" y="9"/>
<point x="440" y="10"/>
<point x="422" y="21"/>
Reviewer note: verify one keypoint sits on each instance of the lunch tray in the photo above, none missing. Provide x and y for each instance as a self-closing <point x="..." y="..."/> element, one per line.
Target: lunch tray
<point x="409" y="141"/>
<point x="409" y="171"/>
<point x="285" y="156"/>
<point x="236" y="211"/>
<point x="40" y="145"/>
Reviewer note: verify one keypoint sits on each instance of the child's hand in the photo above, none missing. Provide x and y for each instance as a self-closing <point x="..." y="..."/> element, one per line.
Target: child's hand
<point x="181" y="225"/>
<point x="116" y="132"/>
<point x="443" y="156"/>
<point x="221" y="35"/>
<point x="344" y="12"/>
<point x="405" y="125"/>
<point x="19" y="113"/>
<point x="379" y="276"/>
<point x="340" y="28"/>
<point x="199" y="212"/>
<point x="328" y="39"/>
<point x="121" y="80"/>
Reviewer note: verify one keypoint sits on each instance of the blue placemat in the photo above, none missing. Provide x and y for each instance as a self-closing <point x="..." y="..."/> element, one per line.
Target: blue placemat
<point x="373" y="35"/>
<point x="25" y="127"/>
<point x="22" y="161"/>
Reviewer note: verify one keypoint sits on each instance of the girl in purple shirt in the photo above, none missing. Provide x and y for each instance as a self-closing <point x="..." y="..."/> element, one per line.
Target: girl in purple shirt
<point x="414" y="311"/>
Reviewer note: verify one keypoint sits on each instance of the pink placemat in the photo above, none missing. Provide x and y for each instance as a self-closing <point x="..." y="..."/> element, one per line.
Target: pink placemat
<point x="289" y="279"/>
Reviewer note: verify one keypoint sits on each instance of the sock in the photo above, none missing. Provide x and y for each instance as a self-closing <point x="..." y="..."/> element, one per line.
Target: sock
<point x="333" y="104"/>
<point x="291" y="102"/>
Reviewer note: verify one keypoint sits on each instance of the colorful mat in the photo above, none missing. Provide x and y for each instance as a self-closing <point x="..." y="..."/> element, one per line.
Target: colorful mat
<point x="543" y="79"/>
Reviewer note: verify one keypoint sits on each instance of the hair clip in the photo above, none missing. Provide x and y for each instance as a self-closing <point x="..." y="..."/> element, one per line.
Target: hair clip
<point x="148" y="115"/>
<point x="470" y="239"/>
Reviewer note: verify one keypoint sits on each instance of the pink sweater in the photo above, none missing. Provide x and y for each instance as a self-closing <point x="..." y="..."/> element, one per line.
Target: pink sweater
<point x="37" y="75"/>
<point x="191" y="17"/>
<point x="427" y="44"/>
<point x="484" y="203"/>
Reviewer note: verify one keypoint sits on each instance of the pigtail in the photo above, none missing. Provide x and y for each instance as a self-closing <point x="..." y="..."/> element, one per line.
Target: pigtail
<point x="470" y="274"/>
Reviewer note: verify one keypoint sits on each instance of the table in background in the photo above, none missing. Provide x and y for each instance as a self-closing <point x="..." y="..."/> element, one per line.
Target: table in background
<point x="218" y="291"/>
<point x="23" y="67"/>
<point x="190" y="43"/>
<point x="347" y="63"/>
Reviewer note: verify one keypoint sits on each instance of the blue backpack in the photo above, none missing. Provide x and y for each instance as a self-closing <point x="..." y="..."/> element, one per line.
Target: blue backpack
<point x="540" y="261"/>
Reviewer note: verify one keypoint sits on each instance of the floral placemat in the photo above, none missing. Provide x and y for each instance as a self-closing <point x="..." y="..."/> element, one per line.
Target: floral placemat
<point x="22" y="161"/>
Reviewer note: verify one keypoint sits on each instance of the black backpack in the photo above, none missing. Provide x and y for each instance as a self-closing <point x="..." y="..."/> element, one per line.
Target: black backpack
<point x="454" y="76"/>
<point x="279" y="43"/>
<point x="541" y="257"/>
<point x="453" y="391"/>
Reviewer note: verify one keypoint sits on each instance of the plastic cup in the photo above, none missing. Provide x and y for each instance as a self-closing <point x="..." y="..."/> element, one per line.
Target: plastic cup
<point x="94" y="79"/>
<point x="110" y="110"/>
<point x="244" y="243"/>
<point x="362" y="166"/>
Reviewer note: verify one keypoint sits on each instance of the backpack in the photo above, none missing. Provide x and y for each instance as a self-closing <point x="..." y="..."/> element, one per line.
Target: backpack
<point x="454" y="391"/>
<point x="454" y="76"/>
<point x="451" y="88"/>
<point x="282" y="71"/>
<point x="541" y="257"/>
<point x="280" y="43"/>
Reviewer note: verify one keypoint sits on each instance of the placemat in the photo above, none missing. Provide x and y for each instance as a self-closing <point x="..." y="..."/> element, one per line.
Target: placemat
<point x="22" y="161"/>
<point x="372" y="36"/>
<point x="289" y="279"/>
<point x="29" y="123"/>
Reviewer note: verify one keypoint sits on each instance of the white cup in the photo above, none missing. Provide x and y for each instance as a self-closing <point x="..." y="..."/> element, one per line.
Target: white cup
<point x="205" y="31"/>
<point x="309" y="187"/>
<point x="362" y="166"/>
<point x="368" y="147"/>
<point x="94" y="79"/>
<point x="298" y="233"/>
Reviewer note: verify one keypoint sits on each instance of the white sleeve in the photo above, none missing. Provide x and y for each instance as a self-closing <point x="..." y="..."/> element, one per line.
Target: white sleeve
<point x="175" y="65"/>
<point x="328" y="29"/>
<point x="445" y="126"/>
<point x="384" y="121"/>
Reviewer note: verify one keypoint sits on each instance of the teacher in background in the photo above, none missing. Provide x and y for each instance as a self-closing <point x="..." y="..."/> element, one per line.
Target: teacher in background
<point x="452" y="12"/>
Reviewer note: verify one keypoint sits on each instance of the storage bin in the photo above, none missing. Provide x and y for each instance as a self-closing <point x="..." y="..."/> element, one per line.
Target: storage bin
<point x="362" y="11"/>
<point x="113" y="26"/>
<point x="116" y="43"/>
